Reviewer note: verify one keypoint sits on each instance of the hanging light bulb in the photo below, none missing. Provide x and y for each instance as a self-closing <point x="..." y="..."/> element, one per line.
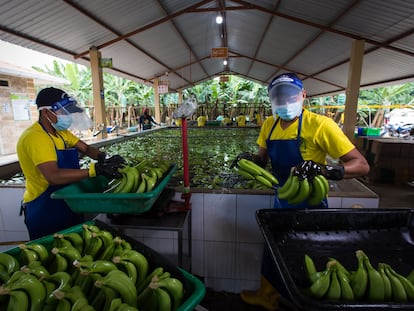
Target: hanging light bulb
<point x="219" y="19"/>
<point x="225" y="62"/>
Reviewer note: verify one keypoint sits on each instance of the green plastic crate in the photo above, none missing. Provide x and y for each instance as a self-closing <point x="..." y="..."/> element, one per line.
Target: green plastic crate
<point x="194" y="288"/>
<point x="87" y="196"/>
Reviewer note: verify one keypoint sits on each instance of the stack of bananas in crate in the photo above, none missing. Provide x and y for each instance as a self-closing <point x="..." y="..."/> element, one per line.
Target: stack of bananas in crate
<point x="85" y="271"/>
<point x="138" y="178"/>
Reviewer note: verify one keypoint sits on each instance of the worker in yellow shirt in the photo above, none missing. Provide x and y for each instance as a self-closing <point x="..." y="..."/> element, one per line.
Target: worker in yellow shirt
<point x="241" y="120"/>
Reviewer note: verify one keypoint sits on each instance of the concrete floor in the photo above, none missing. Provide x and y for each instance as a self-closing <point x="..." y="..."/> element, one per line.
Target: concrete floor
<point x="391" y="196"/>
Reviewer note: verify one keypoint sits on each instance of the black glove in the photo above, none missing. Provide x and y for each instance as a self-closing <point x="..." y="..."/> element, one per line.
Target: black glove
<point x="249" y="156"/>
<point x="333" y="172"/>
<point x="101" y="157"/>
<point x="116" y="160"/>
<point x="108" y="170"/>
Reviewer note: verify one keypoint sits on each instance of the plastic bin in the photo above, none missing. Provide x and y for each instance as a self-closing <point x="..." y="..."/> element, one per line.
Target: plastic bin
<point x="194" y="288"/>
<point x="385" y="235"/>
<point x="368" y="131"/>
<point x="87" y="196"/>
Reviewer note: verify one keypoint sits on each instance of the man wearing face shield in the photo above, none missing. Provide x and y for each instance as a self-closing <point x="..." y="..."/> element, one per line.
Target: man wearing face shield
<point x="294" y="135"/>
<point x="48" y="154"/>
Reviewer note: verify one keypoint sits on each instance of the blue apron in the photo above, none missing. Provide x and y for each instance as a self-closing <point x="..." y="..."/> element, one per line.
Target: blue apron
<point x="43" y="215"/>
<point x="283" y="155"/>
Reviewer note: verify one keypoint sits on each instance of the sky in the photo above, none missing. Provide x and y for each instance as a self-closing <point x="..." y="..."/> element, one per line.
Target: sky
<point x="24" y="57"/>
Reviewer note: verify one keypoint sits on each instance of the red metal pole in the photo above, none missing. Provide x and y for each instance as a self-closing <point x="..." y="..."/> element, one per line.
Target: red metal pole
<point x="186" y="190"/>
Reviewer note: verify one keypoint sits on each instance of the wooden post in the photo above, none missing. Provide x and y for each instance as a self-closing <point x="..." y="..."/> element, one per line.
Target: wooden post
<point x="98" y="90"/>
<point x="352" y="90"/>
<point x="157" y="102"/>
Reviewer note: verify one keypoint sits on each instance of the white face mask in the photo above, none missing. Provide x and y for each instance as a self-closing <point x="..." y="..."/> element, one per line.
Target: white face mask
<point x="288" y="112"/>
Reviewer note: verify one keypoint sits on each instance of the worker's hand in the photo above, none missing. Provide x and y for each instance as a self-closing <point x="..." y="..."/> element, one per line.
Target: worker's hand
<point x="248" y="156"/>
<point x="108" y="170"/>
<point x="333" y="172"/>
<point x="101" y="157"/>
<point x="116" y="159"/>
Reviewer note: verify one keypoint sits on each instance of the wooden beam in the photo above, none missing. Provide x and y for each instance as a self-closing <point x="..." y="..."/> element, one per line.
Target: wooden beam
<point x="98" y="91"/>
<point x="352" y="91"/>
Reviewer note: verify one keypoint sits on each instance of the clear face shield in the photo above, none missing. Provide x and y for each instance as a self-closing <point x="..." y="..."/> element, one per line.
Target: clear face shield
<point x="68" y="107"/>
<point x="286" y="100"/>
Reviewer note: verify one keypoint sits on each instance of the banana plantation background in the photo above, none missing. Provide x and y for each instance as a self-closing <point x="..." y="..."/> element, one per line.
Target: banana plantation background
<point x="125" y="99"/>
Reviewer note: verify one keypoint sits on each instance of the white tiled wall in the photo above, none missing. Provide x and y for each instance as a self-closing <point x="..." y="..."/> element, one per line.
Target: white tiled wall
<point x="12" y="227"/>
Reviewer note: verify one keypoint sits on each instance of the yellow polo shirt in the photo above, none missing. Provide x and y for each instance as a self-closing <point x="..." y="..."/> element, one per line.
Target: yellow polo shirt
<point x="35" y="147"/>
<point x="320" y="136"/>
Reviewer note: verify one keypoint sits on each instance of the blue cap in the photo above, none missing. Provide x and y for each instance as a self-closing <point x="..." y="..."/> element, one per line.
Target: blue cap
<point x="286" y="79"/>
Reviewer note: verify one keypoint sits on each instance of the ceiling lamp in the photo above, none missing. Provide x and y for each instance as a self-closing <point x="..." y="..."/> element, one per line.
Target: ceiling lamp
<point x="219" y="19"/>
<point x="225" y="62"/>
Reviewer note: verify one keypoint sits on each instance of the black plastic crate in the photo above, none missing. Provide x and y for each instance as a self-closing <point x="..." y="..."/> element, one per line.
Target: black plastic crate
<point x="385" y="235"/>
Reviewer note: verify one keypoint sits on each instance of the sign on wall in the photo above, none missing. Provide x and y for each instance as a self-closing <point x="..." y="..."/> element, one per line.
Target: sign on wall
<point x="21" y="107"/>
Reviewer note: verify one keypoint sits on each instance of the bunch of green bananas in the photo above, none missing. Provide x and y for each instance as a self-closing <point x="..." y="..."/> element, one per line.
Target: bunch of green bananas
<point x="138" y="178"/>
<point x="85" y="271"/>
<point x="261" y="178"/>
<point x="305" y="182"/>
<point x="366" y="283"/>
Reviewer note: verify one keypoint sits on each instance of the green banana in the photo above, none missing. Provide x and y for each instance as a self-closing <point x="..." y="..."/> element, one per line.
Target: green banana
<point x="59" y="263"/>
<point x="408" y="286"/>
<point x="149" y="181"/>
<point x="109" y="295"/>
<point x="302" y="193"/>
<point x="94" y="247"/>
<point x="175" y="288"/>
<point x="292" y="190"/>
<point x="130" y="176"/>
<point x="410" y="276"/>
<point x="146" y="297"/>
<point x="142" y="185"/>
<point x="243" y="173"/>
<point x="386" y="281"/>
<point x="318" y="191"/>
<point x="248" y="167"/>
<point x="360" y="279"/>
<point x="283" y="189"/>
<point x="64" y="305"/>
<point x="75" y="239"/>
<point x="4" y="274"/>
<point x="8" y="261"/>
<point x="341" y="267"/>
<point x="164" y="299"/>
<point x="129" y="268"/>
<point x="122" y="184"/>
<point x="74" y="295"/>
<point x="102" y="267"/>
<point x="325" y="183"/>
<point x="36" y="269"/>
<point x="115" y="304"/>
<point x="121" y="283"/>
<point x="18" y="301"/>
<point x="139" y="260"/>
<point x="334" y="291"/>
<point x="310" y="268"/>
<point x="126" y="307"/>
<point x="158" y="271"/>
<point x="320" y="287"/>
<point x="41" y="251"/>
<point x="33" y="287"/>
<point x="263" y="180"/>
<point x="69" y="252"/>
<point x="398" y="290"/>
<point x="375" y="282"/>
<point x="27" y="255"/>
<point x="346" y="290"/>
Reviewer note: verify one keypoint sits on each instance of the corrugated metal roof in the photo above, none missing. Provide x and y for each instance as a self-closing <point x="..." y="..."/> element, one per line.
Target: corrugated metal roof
<point x="148" y="38"/>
